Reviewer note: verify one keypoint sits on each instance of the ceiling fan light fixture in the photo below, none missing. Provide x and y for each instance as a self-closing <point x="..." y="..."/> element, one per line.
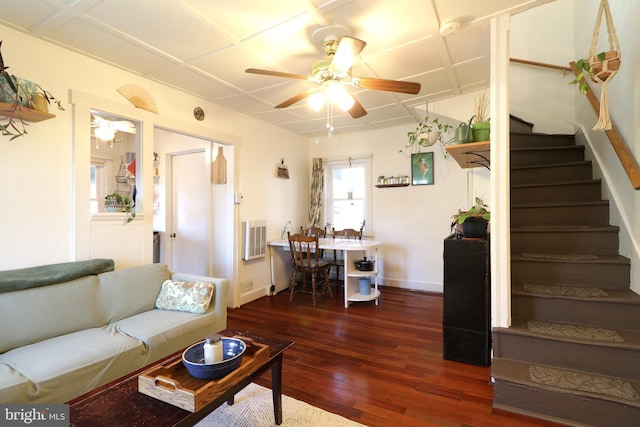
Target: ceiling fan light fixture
<point x="105" y="132"/>
<point x="339" y="95"/>
<point x="316" y="101"/>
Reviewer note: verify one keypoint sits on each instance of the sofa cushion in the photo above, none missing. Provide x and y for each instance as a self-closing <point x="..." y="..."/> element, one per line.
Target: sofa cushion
<point x="192" y="297"/>
<point x="130" y="291"/>
<point x="47" y="311"/>
<point x="164" y="332"/>
<point x="68" y="366"/>
<point x="12" y="384"/>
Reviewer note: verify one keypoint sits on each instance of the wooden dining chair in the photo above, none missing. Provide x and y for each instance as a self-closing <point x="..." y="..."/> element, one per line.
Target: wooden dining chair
<point x="305" y="257"/>
<point x="320" y="232"/>
<point x="348" y="234"/>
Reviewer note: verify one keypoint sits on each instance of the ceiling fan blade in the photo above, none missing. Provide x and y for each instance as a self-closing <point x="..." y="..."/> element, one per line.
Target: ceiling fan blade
<point x="357" y="110"/>
<point x="388" y="85"/>
<point x="276" y="73"/>
<point x="298" y="97"/>
<point x="348" y="49"/>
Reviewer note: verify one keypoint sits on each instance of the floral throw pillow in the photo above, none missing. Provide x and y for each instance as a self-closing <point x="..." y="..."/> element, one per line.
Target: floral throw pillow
<point x="192" y="297"/>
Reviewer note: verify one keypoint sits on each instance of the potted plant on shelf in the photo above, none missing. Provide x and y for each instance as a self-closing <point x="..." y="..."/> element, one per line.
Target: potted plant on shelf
<point x="427" y="133"/>
<point x="481" y="128"/>
<point x="20" y="93"/>
<point x="473" y="221"/>
<point x="115" y="202"/>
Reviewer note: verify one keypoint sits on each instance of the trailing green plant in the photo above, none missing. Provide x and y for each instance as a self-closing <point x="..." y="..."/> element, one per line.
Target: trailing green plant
<point x="478" y="210"/>
<point x="15" y="125"/>
<point x="587" y="69"/>
<point x="424" y="132"/>
<point x="123" y="202"/>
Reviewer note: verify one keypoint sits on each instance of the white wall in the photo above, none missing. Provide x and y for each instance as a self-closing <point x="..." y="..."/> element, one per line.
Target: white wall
<point x="36" y="171"/>
<point x="411" y="222"/>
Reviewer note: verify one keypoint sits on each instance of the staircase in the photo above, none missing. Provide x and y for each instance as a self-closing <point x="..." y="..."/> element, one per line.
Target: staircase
<point x="572" y="353"/>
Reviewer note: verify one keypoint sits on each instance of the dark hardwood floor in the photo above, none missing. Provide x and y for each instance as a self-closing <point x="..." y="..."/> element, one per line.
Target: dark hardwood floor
<point x="377" y="365"/>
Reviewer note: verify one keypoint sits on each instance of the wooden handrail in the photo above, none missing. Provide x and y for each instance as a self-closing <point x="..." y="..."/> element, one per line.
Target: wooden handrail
<point x="540" y="64"/>
<point x="627" y="160"/>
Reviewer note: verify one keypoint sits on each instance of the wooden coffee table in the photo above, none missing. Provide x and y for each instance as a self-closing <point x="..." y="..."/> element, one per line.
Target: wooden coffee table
<point x="119" y="403"/>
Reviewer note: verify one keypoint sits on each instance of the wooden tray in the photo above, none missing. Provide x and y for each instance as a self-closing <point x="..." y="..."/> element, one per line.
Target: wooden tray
<point x="172" y="383"/>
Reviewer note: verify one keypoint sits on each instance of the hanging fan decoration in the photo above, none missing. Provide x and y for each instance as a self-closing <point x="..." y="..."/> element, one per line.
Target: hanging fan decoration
<point x="139" y="97"/>
<point x="605" y="66"/>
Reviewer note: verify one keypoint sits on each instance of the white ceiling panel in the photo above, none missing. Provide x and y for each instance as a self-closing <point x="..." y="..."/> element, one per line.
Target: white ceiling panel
<point x="203" y="47"/>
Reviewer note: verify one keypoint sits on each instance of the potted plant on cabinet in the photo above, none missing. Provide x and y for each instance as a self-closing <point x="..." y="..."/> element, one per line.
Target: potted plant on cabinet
<point x="427" y="133"/>
<point x="473" y="221"/>
<point x="115" y="202"/>
<point x="481" y="128"/>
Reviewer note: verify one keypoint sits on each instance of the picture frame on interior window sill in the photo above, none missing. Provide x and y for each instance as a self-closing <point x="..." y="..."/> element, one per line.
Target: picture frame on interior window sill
<point x="422" y="168"/>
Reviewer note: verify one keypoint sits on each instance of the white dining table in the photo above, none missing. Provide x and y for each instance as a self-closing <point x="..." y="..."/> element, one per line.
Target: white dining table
<point x="353" y="250"/>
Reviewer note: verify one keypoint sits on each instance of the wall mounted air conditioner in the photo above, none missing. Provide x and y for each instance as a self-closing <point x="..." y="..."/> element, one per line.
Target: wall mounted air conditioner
<point x="255" y="239"/>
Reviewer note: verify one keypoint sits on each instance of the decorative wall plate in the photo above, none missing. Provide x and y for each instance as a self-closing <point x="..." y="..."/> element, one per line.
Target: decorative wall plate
<point x="198" y="113"/>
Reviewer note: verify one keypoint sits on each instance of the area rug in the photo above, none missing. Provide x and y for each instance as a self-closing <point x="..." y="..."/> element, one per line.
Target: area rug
<point x="253" y="407"/>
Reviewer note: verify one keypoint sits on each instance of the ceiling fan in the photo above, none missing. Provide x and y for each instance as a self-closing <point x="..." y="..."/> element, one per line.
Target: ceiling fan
<point x="115" y="125"/>
<point x="333" y="73"/>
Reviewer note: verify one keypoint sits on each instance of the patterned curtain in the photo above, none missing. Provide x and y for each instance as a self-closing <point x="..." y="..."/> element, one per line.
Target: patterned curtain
<point x="317" y="193"/>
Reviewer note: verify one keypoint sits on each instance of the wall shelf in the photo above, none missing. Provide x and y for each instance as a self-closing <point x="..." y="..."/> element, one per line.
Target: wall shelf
<point x="391" y="185"/>
<point x="471" y="154"/>
<point x="24" y="113"/>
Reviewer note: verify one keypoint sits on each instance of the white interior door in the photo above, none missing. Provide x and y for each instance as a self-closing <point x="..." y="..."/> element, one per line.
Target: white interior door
<point x="190" y="213"/>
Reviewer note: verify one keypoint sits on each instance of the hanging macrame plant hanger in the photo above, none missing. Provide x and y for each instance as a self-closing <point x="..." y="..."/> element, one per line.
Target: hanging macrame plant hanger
<point x="604" y="68"/>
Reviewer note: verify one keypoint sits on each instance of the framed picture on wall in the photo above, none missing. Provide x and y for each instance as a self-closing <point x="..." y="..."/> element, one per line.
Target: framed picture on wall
<point x="422" y="168"/>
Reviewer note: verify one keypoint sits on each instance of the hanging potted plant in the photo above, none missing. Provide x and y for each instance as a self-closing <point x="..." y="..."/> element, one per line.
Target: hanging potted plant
<point x="481" y="128"/>
<point x="427" y="133"/>
<point x="473" y="221"/>
<point x="596" y="69"/>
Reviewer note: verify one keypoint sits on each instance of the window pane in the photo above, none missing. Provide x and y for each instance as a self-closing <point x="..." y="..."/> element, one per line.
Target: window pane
<point x="348" y="181"/>
<point x="348" y="214"/>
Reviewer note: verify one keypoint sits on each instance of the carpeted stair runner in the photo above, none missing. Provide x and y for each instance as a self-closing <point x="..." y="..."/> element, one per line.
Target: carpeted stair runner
<point x="574" y="331"/>
<point x="566" y="291"/>
<point x="581" y="381"/>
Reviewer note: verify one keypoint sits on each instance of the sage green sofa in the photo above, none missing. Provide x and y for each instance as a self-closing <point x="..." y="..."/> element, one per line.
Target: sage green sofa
<point x="69" y="328"/>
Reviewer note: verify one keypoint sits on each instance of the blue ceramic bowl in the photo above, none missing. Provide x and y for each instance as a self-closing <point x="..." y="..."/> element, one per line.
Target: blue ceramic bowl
<point x="232" y="351"/>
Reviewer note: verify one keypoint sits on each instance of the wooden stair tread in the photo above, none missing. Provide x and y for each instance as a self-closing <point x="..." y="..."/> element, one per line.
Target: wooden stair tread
<point x="564" y="228"/>
<point x="624" y="296"/>
<point x="552" y="165"/>
<point x="560" y="204"/>
<point x="516" y="371"/>
<point x="630" y="338"/>
<point x="556" y="184"/>
<point x="599" y="259"/>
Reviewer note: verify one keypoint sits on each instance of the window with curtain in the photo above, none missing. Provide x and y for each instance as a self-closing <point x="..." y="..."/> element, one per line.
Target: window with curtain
<point x="348" y="193"/>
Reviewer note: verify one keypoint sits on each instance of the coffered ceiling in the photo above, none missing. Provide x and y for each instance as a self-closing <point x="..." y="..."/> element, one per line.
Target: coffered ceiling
<point x="203" y="47"/>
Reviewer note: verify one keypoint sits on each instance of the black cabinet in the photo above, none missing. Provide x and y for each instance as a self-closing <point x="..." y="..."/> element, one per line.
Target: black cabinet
<point x="466" y="313"/>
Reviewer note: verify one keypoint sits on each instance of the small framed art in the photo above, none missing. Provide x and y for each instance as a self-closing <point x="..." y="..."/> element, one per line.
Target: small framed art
<point x="422" y="168"/>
